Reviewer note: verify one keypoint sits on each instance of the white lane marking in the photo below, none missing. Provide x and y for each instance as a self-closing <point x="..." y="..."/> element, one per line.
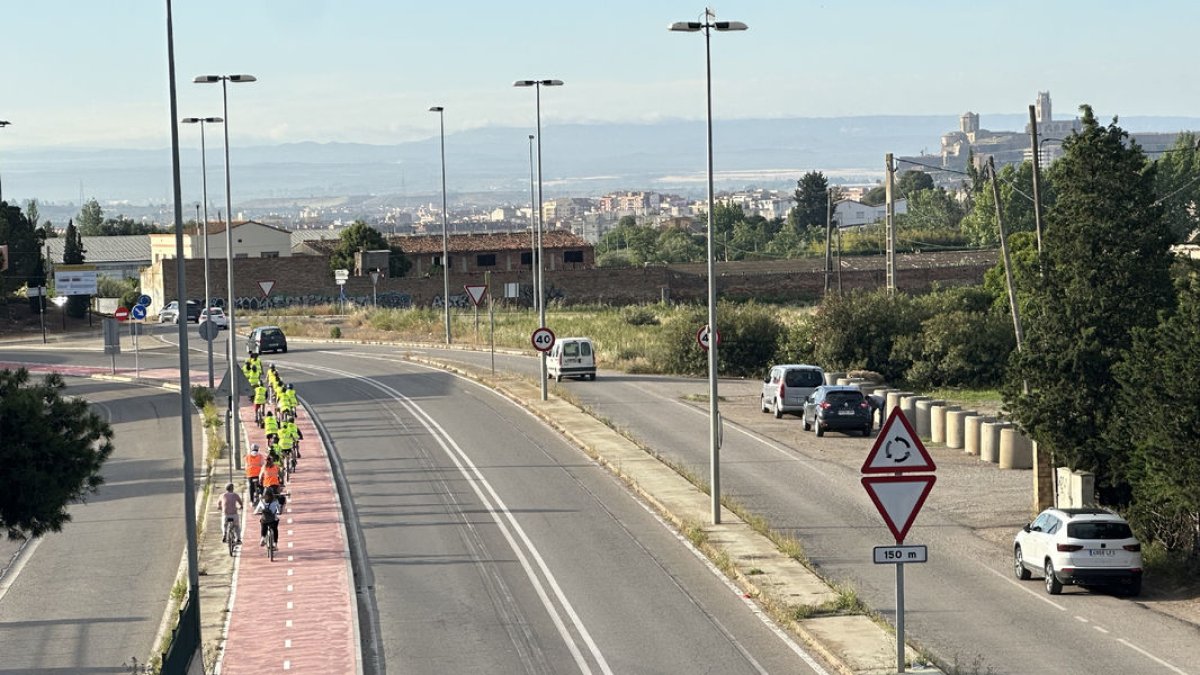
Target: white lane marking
<point x="1080" y="618"/>
<point x="289" y="544"/>
<point x="11" y="573"/>
<point x="289" y="605"/>
<point x="289" y="521"/>
<point x="290" y="558"/>
<point x="290" y="572"/>
<point x="1102" y="630"/>
<point x="289" y="587"/>
<point x="287" y="644"/>
<point x="290" y="533"/>
<point x="1027" y="590"/>
<point x="287" y="665"/>
<point x="287" y="624"/>
<point x="1150" y="656"/>
<point x="499" y="513"/>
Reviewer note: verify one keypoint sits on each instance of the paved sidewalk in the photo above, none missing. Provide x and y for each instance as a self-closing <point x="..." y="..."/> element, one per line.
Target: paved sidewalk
<point x="298" y="613"/>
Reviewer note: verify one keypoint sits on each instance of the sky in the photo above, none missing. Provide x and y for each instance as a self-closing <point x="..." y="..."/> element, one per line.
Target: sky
<point x="93" y="73"/>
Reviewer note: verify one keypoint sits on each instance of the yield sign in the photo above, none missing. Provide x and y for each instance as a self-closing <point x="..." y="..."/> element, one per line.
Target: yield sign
<point x="899" y="499"/>
<point x="266" y="287"/>
<point x="476" y="293"/>
<point x="897" y="448"/>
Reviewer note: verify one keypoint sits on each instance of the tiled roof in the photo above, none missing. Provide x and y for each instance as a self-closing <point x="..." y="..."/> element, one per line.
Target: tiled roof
<point x="128" y="248"/>
<point x="217" y="226"/>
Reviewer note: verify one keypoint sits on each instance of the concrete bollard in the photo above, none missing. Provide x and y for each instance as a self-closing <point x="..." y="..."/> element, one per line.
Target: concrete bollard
<point x="989" y="441"/>
<point x="956" y="423"/>
<point x="893" y="401"/>
<point x="924" y="417"/>
<point x="1016" y="450"/>
<point x="832" y="377"/>
<point x="971" y="433"/>
<point x="937" y="422"/>
<point x="908" y="405"/>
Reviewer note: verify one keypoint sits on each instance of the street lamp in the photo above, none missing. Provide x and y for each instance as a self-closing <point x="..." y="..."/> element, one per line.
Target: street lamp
<point x="541" y="298"/>
<point x="204" y="182"/>
<point x="4" y="123"/>
<point x="445" y="235"/>
<point x="714" y="431"/>
<point x="234" y="419"/>
<point x="532" y="227"/>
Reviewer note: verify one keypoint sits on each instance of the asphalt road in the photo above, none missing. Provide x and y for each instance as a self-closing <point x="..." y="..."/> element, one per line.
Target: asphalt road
<point x="498" y="547"/>
<point x="963" y="604"/>
<point x="90" y="598"/>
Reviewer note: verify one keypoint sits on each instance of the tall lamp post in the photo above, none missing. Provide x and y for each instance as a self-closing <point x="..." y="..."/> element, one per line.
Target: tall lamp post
<point x="714" y="432"/>
<point x="204" y="182"/>
<point x="4" y="123"/>
<point x="539" y="290"/>
<point x="445" y="235"/>
<point x="533" y="227"/>
<point x="234" y="419"/>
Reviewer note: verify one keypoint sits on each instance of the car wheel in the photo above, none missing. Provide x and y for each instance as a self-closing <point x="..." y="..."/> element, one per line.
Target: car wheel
<point x="1053" y="585"/>
<point x="1019" y="569"/>
<point x="285" y="350"/>
<point x="778" y="410"/>
<point x="762" y="404"/>
<point x="818" y="428"/>
<point x="592" y="377"/>
<point x="1134" y="588"/>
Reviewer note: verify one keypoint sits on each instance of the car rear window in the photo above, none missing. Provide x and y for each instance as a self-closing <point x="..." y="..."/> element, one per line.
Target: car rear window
<point x="1099" y="530"/>
<point x="272" y="333"/>
<point x="837" y="397"/>
<point x="803" y="378"/>
<point x="571" y="349"/>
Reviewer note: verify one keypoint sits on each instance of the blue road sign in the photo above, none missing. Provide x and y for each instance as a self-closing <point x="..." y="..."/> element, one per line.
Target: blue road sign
<point x="139" y="311"/>
<point x="144" y="301"/>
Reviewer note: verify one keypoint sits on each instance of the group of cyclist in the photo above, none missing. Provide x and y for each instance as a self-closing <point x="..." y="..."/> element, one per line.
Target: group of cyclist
<point x="267" y="471"/>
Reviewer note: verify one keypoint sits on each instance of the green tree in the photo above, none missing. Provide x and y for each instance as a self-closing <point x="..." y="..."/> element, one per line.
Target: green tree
<point x="911" y="182"/>
<point x="725" y="217"/>
<point x="875" y="196"/>
<point x="1166" y="467"/>
<point x="362" y="237"/>
<point x="24" y="242"/>
<point x="90" y="218"/>
<point x="74" y="254"/>
<point x="1105" y="273"/>
<point x="1177" y="180"/>
<point x="932" y="209"/>
<point x="51" y="455"/>
<point x="1016" y="202"/>
<point x="812" y="203"/>
<point x="676" y="245"/>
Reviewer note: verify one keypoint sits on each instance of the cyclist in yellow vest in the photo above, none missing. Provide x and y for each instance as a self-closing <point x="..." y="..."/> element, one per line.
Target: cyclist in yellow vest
<point x="289" y="427"/>
<point x="270" y="424"/>
<point x="286" y="443"/>
<point x="260" y="402"/>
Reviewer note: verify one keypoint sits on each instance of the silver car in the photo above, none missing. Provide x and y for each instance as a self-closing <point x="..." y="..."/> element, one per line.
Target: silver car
<point x="787" y="386"/>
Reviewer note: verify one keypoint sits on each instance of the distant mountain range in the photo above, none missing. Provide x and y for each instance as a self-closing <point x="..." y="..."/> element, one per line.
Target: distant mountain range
<point x="491" y="165"/>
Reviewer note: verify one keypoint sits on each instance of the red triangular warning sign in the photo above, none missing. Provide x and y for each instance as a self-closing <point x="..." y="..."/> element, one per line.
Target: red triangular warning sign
<point x="899" y="499"/>
<point x="475" y="293"/>
<point x="897" y="449"/>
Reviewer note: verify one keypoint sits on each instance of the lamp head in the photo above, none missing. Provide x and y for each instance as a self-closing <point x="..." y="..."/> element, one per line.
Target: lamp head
<point x="729" y="25"/>
<point x="686" y="26"/>
<point x="552" y="83"/>
<point x="243" y="78"/>
<point x="207" y="79"/>
<point x="524" y="83"/>
<point x="436" y="109"/>
<point x="4" y="123"/>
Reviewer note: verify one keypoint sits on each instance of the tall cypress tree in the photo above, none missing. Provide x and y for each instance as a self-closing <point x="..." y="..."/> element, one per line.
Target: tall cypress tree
<point x="812" y="200"/>
<point x="75" y="254"/>
<point x="1106" y="272"/>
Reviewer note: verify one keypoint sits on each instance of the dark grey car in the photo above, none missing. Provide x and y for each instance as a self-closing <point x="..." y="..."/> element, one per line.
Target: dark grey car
<point x="839" y="409"/>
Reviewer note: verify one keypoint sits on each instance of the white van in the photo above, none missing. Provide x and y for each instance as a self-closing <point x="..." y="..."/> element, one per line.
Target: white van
<point x="572" y="357"/>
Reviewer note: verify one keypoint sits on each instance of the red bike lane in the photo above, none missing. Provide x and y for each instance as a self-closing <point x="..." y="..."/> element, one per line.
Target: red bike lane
<point x="298" y="613"/>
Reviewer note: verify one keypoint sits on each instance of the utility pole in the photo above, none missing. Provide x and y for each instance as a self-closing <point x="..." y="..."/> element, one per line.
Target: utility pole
<point x="1008" y="277"/>
<point x="828" y="236"/>
<point x="890" y="223"/>
<point x="1037" y="200"/>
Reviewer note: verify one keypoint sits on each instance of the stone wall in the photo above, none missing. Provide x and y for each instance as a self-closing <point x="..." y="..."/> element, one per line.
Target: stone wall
<point x="307" y="280"/>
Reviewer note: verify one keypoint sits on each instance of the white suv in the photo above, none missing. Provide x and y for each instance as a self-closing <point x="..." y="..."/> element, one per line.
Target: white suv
<point x="1085" y="547"/>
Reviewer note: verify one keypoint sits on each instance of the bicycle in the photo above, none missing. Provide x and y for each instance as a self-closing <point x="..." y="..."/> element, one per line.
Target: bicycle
<point x="258" y="414"/>
<point x="289" y="461"/>
<point x="231" y="533"/>
<point x="271" y="544"/>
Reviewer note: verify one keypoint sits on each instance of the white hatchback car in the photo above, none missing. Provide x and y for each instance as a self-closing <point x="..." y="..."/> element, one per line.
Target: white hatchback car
<point x="215" y="315"/>
<point x="1084" y="547"/>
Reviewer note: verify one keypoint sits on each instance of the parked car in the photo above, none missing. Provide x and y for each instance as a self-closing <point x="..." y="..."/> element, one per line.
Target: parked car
<point x="266" y="339"/>
<point x="572" y="357"/>
<point x="170" y="313"/>
<point x="787" y="386"/>
<point x="1084" y="547"/>
<point x="216" y="315"/>
<point x="838" y="409"/>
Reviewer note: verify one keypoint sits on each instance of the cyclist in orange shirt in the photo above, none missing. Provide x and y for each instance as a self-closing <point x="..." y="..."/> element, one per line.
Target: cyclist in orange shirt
<point x="268" y="478"/>
<point x="254" y="466"/>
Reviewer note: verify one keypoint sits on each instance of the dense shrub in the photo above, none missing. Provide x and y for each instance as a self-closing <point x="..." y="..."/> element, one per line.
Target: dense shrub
<point x="639" y="316"/>
<point x="859" y="329"/>
<point x="750" y="335"/>
<point x="335" y="332"/>
<point x="201" y="396"/>
<point x="958" y="349"/>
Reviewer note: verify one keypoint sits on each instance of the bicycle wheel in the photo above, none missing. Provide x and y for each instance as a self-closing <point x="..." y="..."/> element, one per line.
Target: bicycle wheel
<point x="231" y="535"/>
<point x="271" y="544"/>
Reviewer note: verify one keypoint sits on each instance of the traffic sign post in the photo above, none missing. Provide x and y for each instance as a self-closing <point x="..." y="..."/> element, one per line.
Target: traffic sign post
<point x="542" y="339"/>
<point x="898" y="451"/>
<point x="475" y="293"/>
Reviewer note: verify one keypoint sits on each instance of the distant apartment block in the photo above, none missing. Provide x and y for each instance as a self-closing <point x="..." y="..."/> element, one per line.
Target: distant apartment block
<point x="851" y="213"/>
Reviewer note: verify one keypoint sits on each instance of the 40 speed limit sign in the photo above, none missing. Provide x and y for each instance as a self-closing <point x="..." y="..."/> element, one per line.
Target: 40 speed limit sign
<point x="542" y="339"/>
